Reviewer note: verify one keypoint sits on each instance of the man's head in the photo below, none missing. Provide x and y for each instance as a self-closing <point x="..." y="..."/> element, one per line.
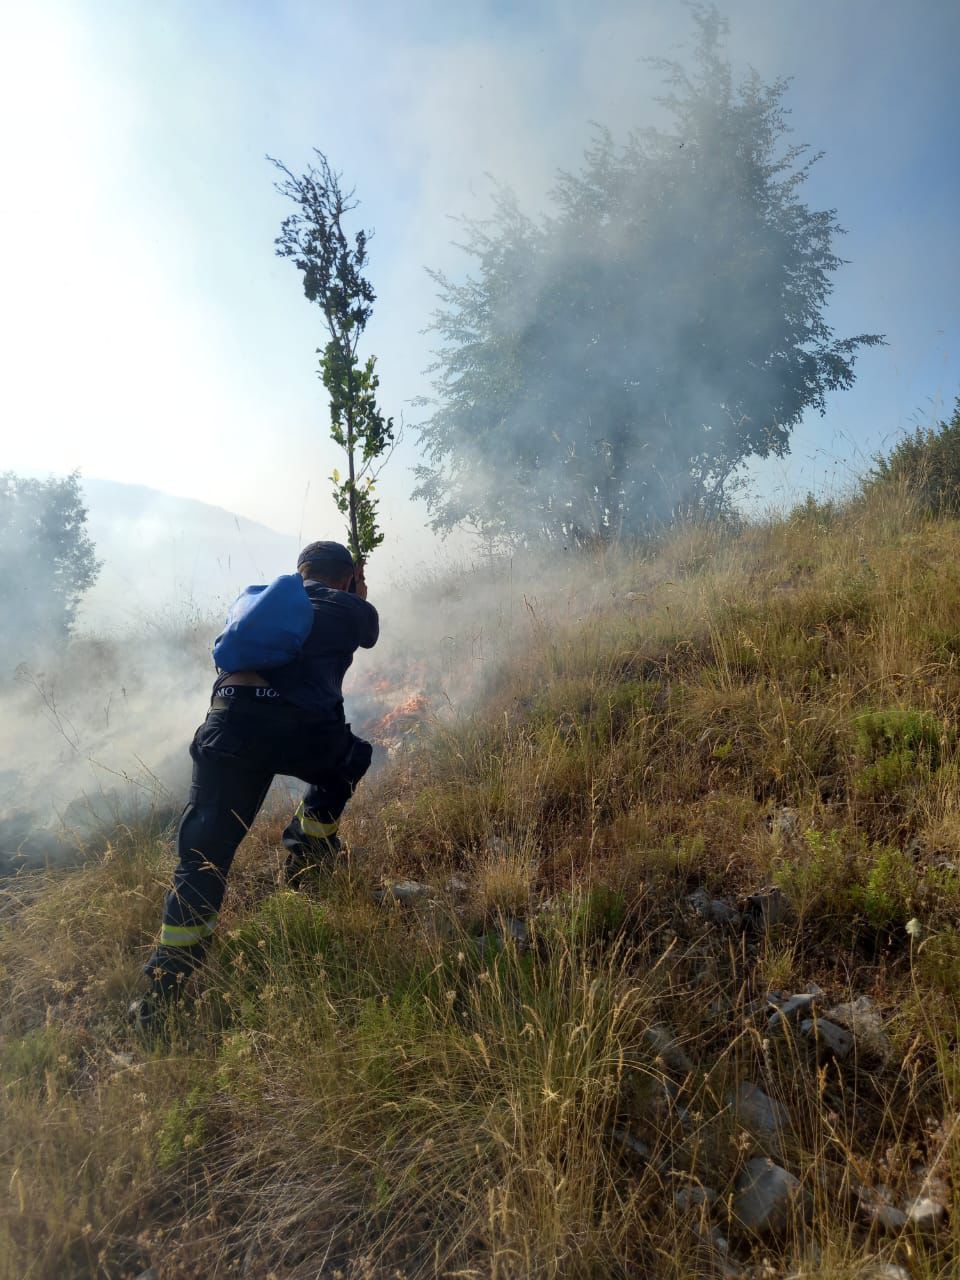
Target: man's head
<point x="328" y="562"/>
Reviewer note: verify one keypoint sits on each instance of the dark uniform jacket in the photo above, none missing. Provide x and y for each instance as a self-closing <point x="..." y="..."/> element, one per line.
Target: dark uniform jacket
<point x="342" y="623"/>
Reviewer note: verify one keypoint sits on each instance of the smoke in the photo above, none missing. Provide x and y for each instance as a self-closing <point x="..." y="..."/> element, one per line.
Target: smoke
<point x="168" y="559"/>
<point x="97" y="737"/>
<point x="612" y="363"/>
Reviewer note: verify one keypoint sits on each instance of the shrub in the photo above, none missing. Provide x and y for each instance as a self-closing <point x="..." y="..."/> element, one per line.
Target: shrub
<point x="887" y="892"/>
<point x="899" y="750"/>
<point x="817" y="874"/>
<point x="818" y="514"/>
<point x="881" y="732"/>
<point x="182" y="1129"/>
<point x="927" y="463"/>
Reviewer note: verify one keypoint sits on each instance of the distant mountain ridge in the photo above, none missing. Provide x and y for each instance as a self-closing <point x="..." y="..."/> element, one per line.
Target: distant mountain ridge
<point x="170" y="556"/>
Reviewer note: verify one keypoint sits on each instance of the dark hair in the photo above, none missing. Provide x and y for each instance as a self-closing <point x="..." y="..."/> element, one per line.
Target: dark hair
<point x="328" y="570"/>
<point x="329" y="554"/>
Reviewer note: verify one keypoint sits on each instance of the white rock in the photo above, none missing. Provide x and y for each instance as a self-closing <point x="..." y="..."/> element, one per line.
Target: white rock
<point x="791" y="1009"/>
<point x="828" y="1036"/>
<point x="926" y="1212"/>
<point x="862" y="1018"/>
<point x="406" y="892"/>
<point x="887" y="1271"/>
<point x="768" y="1197"/>
<point x="759" y="1112"/>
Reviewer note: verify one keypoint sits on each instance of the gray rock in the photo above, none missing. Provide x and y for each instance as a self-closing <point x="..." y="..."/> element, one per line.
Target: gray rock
<point x="875" y="1205"/>
<point x="828" y="1036"/>
<point x="489" y="946"/>
<point x="407" y="892"/>
<point x="790" y="1010"/>
<point x="886" y="1271"/>
<point x="758" y="1112"/>
<point x="150" y="1274"/>
<point x="713" y="1253"/>
<point x="862" y="1018"/>
<point x="699" y="901"/>
<point x="457" y="885"/>
<point x="925" y="1212"/>
<point x="714" y="910"/>
<point x="785" y="823"/>
<point x="663" y="1043"/>
<point x="723" y="912"/>
<point x="667" y="1111"/>
<point x="515" y="931"/>
<point x="768" y="1197"/>
<point x="634" y="1145"/>
<point x="768" y="907"/>
<point x="721" y="1244"/>
<point x="694" y="1197"/>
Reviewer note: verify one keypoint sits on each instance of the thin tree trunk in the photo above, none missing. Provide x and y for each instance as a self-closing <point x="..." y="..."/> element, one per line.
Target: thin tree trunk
<point x="354" y="530"/>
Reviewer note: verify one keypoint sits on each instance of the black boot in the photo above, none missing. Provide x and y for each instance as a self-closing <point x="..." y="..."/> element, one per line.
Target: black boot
<point x="149" y="1014"/>
<point x="309" y="860"/>
<point x="166" y="973"/>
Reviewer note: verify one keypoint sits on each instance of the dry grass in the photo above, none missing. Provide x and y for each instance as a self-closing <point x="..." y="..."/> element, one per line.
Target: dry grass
<point x="502" y="881"/>
<point x="372" y="1092"/>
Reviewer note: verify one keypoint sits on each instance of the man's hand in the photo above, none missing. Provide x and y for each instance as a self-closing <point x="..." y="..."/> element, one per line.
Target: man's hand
<point x="359" y="582"/>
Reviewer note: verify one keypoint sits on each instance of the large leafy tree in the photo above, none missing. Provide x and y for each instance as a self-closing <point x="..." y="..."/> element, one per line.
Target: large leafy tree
<point x="47" y="562"/>
<point x="612" y="364"/>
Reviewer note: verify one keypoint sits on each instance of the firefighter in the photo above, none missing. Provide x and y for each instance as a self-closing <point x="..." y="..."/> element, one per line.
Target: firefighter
<point x="288" y="720"/>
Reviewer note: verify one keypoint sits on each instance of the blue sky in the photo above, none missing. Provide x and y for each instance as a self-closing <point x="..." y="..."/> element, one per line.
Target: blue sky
<point x="152" y="337"/>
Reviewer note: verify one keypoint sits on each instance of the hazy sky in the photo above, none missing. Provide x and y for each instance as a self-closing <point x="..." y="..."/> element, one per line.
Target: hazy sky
<point x="151" y="336"/>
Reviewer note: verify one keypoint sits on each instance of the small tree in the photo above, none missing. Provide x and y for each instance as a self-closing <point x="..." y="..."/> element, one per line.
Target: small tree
<point x="333" y="278"/>
<point x="47" y="561"/>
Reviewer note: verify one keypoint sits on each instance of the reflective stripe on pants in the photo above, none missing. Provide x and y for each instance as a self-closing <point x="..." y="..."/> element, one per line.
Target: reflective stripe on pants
<point x="187" y="935"/>
<point x="312" y="826"/>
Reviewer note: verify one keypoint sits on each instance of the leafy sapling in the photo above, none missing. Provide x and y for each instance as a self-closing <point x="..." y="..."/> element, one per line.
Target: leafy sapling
<point x="332" y="267"/>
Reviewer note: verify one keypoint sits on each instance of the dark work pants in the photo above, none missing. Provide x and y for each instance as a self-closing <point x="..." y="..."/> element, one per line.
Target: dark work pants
<point x="236" y="753"/>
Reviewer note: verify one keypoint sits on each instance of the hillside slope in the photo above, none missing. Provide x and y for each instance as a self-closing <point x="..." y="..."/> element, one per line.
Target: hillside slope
<point x="172" y="556"/>
<point x="539" y="1023"/>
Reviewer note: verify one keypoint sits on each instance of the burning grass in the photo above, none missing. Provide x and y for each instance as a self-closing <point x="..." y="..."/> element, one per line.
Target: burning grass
<point x="531" y="1070"/>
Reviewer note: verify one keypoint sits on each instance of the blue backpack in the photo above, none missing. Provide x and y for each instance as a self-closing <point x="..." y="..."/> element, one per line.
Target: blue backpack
<point x="266" y="626"/>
